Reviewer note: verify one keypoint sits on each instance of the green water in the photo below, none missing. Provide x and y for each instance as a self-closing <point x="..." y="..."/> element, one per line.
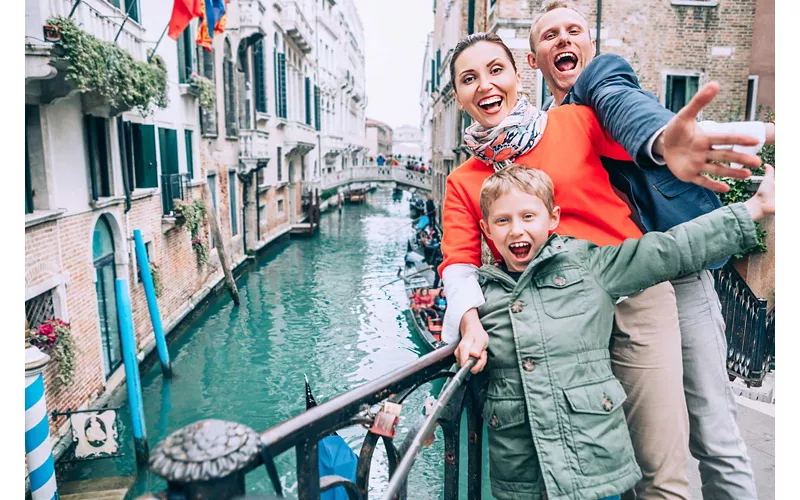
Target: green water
<point x="311" y="306"/>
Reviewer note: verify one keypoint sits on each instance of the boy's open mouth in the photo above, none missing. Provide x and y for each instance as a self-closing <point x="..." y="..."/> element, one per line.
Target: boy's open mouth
<point x="491" y="104"/>
<point x="520" y="250"/>
<point x="566" y="61"/>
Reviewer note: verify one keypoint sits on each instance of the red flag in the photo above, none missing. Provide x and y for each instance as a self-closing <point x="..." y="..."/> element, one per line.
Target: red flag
<point x="183" y="11"/>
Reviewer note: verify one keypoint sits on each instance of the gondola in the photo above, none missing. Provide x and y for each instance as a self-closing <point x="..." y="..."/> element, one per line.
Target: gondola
<point x="417" y="273"/>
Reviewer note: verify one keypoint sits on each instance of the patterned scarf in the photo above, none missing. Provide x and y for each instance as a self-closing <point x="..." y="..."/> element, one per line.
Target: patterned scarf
<point x="517" y="134"/>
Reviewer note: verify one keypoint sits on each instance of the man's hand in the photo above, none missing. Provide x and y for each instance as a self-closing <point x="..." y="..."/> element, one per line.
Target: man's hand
<point x="763" y="202"/>
<point x="687" y="149"/>
<point x="474" y="341"/>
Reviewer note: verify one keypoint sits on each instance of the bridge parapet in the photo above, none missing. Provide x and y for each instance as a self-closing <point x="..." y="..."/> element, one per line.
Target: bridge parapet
<point x="374" y="173"/>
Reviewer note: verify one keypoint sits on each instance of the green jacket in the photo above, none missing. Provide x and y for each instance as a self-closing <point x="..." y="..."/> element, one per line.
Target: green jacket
<point x="553" y="407"/>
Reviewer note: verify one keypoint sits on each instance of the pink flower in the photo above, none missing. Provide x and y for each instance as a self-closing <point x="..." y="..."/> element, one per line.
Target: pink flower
<point x="46" y="328"/>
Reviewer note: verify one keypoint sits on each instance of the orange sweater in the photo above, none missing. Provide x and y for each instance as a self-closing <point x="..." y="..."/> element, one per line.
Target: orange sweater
<point x="569" y="152"/>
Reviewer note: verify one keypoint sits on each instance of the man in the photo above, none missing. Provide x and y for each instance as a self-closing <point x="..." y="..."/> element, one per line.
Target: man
<point x="562" y="48"/>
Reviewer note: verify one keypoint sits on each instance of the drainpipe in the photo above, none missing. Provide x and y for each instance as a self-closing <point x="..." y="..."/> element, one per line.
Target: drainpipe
<point x="599" y="24"/>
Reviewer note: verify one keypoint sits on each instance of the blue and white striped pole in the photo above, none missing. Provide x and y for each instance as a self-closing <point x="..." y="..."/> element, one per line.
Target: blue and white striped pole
<point x="38" y="449"/>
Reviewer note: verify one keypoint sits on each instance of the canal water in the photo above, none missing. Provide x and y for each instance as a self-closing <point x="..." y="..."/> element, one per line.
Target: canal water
<point x="313" y="306"/>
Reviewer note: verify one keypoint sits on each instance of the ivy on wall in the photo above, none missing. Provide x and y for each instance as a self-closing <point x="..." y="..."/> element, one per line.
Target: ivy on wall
<point x="111" y="72"/>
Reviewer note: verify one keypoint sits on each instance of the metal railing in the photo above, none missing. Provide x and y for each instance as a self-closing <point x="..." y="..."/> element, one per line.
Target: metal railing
<point x="374" y="405"/>
<point x="749" y="332"/>
<point x="173" y="186"/>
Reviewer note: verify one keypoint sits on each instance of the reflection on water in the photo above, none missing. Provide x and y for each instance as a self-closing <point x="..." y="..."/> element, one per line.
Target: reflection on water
<point x="311" y="306"/>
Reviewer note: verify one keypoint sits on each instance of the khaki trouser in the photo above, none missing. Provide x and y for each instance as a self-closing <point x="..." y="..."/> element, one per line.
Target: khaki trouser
<point x="646" y="358"/>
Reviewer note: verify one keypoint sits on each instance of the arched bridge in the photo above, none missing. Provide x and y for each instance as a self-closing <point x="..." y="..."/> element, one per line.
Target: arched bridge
<point x="373" y="173"/>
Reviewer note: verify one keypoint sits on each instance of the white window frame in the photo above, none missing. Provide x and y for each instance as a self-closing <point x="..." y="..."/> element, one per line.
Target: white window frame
<point x="753" y="98"/>
<point x="696" y="3"/>
<point x="662" y="98"/>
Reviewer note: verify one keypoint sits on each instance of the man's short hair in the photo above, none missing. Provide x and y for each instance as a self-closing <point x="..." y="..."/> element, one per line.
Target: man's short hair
<point x="527" y="180"/>
<point x="549" y="5"/>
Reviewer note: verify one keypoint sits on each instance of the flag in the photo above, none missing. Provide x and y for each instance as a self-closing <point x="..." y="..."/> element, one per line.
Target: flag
<point x="183" y="11"/>
<point x="215" y="9"/>
<point x="204" y="37"/>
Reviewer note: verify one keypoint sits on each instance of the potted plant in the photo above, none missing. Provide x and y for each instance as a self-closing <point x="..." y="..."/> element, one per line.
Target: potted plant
<point x="54" y="337"/>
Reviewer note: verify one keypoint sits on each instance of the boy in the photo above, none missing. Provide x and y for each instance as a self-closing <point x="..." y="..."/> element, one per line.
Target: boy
<point x="553" y="406"/>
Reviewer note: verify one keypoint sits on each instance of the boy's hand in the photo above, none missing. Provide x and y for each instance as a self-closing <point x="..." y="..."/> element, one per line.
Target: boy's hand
<point x="763" y="202"/>
<point x="474" y="341"/>
<point x="687" y="149"/>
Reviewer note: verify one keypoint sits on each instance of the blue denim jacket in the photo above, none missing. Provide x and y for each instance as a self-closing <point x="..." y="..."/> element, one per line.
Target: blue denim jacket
<point x="631" y="116"/>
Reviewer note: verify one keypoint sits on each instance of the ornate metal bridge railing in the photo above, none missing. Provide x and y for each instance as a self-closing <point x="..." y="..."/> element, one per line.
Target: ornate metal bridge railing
<point x="749" y="330"/>
<point x="210" y="458"/>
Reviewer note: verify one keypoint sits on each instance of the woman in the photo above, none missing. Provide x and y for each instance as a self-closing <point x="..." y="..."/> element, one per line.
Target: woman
<point x="566" y="143"/>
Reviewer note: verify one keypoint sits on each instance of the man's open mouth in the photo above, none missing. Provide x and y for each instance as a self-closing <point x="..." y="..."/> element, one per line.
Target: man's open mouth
<point x="491" y="104"/>
<point x="566" y="61"/>
<point x="520" y="250"/>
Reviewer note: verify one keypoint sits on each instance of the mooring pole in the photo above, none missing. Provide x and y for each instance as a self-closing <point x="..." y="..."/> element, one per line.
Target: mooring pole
<point x="133" y="384"/>
<point x="220" y="244"/>
<point x="152" y="303"/>
<point x="38" y="449"/>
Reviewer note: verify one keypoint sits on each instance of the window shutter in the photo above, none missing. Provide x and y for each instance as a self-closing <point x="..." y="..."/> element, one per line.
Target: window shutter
<point x="433" y="76"/>
<point x="146" y="169"/>
<point x="230" y="99"/>
<point x="90" y="140"/>
<point x="308" y="101"/>
<point x="260" y="78"/>
<point x="282" y="85"/>
<point x="187" y="136"/>
<point x="316" y="108"/>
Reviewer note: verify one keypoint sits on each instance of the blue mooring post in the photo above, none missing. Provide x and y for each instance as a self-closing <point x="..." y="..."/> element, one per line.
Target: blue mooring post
<point x="132" y="371"/>
<point x="152" y="303"/>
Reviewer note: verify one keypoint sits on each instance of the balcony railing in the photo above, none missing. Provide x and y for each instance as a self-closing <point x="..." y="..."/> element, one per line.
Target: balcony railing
<point x="173" y="187"/>
<point x="297" y="27"/>
<point x="253" y="144"/>
<point x="750" y="331"/>
<point x="373" y="405"/>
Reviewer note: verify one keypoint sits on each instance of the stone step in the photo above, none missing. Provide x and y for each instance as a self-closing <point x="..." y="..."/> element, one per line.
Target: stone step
<point x="104" y="488"/>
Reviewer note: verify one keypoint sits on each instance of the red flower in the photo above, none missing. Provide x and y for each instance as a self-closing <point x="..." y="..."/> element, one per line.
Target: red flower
<point x="46" y="329"/>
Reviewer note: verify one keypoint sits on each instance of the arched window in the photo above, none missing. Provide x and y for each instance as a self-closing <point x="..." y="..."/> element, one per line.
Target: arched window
<point x="208" y="118"/>
<point x="229" y="90"/>
<point x="103" y="257"/>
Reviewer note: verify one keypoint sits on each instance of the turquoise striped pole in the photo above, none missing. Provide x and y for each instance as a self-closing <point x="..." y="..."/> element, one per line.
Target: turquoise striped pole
<point x="152" y="303"/>
<point x="132" y="383"/>
<point x="38" y="449"/>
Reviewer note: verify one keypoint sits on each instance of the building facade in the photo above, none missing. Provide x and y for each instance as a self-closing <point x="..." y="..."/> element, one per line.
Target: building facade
<point x="288" y="84"/>
<point x="407" y="141"/>
<point x="379" y="139"/>
<point x="426" y="100"/>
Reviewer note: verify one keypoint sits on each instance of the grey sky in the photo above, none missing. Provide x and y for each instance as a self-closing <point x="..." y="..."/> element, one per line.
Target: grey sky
<point x="394" y="35"/>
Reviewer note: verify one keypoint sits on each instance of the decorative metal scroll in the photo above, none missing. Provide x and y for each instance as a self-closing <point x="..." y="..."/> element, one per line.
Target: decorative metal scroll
<point x="94" y="432"/>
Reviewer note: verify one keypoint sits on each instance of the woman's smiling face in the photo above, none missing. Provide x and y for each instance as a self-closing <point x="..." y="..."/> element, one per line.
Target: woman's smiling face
<point x="486" y="83"/>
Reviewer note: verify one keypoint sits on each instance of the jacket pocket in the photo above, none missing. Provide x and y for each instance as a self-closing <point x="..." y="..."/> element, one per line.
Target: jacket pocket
<point x="599" y="432"/>
<point x="562" y="293"/>
<point x="672" y="187"/>
<point x="512" y="456"/>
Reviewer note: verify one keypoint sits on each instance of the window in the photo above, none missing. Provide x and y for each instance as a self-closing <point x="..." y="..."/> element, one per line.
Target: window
<point x="138" y="146"/>
<point x="103" y="256"/>
<point x="96" y="130"/>
<point x="317" y="122"/>
<point x="232" y="199"/>
<point x="28" y="189"/>
<point x="212" y="186"/>
<point x="280" y="166"/>
<point x="36" y="192"/>
<point x="542" y="91"/>
<point x="260" y="77"/>
<point x="752" y="96"/>
<point x="171" y="182"/>
<point x="280" y="206"/>
<point x="208" y="118"/>
<point x="231" y="129"/>
<point x="280" y="84"/>
<point x="308" y="101"/>
<point x="185" y="63"/>
<point x="40" y="309"/>
<point x="433" y="76"/>
<point x="679" y="91"/>
<point x="438" y="67"/>
<point x="131" y="7"/>
<point x="187" y="137"/>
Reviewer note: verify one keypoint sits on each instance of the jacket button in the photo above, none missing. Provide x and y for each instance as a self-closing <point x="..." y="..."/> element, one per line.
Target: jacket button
<point x="493" y="422"/>
<point x="528" y="364"/>
<point x="560" y="280"/>
<point x="608" y="405"/>
<point x="517" y="306"/>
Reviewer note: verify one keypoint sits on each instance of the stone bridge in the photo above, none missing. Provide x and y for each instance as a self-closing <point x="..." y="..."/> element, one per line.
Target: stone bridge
<point x="372" y="173"/>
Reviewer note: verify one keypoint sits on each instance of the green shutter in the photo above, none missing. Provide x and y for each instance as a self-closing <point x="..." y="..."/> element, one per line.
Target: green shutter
<point x="187" y="135"/>
<point x="232" y="199"/>
<point x="133" y="10"/>
<point x="260" y="77"/>
<point x="316" y="108"/>
<point x="308" y="101"/>
<point x="433" y="76"/>
<point x="168" y="148"/>
<point x="144" y="156"/>
<point x="282" y="85"/>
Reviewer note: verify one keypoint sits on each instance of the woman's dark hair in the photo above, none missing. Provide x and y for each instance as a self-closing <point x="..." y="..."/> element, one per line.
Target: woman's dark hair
<point x="470" y="40"/>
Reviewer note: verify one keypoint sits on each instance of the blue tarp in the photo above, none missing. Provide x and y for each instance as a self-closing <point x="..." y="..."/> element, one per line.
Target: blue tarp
<point x="336" y="457"/>
<point x="423" y="222"/>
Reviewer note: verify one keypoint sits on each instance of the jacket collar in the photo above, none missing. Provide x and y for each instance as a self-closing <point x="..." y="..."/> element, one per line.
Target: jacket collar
<point x="554" y="245"/>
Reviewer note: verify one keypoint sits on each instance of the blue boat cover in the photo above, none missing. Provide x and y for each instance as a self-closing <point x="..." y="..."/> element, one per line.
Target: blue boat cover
<point x="336" y="457"/>
<point x="423" y="222"/>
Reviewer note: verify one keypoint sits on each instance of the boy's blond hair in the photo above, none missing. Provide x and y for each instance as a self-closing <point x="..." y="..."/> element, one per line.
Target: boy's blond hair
<point x="546" y="7"/>
<point x="527" y="180"/>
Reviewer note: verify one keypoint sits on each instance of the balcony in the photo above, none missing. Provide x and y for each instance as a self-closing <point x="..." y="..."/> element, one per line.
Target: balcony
<point x="299" y="138"/>
<point x="332" y="146"/>
<point x="253" y="149"/>
<point x="251" y="13"/>
<point x="173" y="187"/>
<point x="297" y="27"/>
